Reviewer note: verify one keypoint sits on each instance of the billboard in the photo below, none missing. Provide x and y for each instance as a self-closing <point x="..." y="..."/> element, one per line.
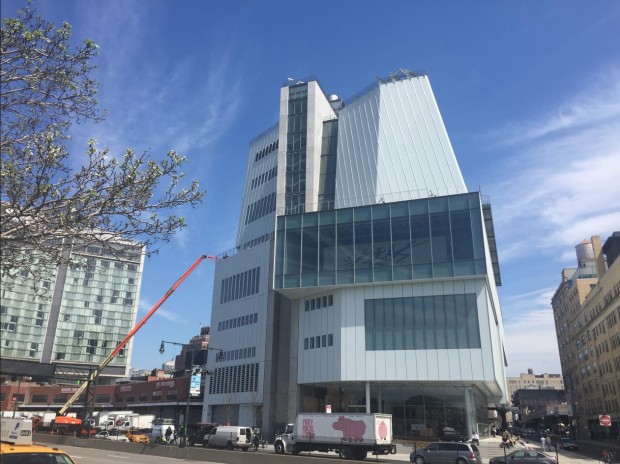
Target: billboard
<point x="194" y="385"/>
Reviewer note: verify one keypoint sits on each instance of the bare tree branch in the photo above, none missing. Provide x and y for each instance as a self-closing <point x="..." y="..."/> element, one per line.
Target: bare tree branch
<point x="45" y="204"/>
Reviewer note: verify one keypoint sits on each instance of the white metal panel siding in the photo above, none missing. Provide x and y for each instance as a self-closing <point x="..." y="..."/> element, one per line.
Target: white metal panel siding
<point x="321" y="364"/>
<point x="416" y="157"/>
<point x="281" y="155"/>
<point x="357" y="364"/>
<point x="264" y="225"/>
<point x="356" y="169"/>
<point x="319" y="110"/>
<point x="394" y="146"/>
<point x="244" y="336"/>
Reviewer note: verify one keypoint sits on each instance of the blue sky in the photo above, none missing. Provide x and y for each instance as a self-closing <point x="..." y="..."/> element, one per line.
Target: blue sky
<point x="529" y="92"/>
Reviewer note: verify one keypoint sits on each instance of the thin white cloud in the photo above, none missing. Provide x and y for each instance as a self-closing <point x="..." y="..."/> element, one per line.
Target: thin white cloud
<point x="556" y="190"/>
<point x="597" y="103"/>
<point x="182" y="238"/>
<point x="538" y="299"/>
<point x="145" y="305"/>
<point x="531" y="344"/>
<point x="557" y="185"/>
<point x="180" y="102"/>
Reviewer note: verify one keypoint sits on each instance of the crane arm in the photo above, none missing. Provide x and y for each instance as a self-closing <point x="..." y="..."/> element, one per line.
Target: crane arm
<point x="94" y="374"/>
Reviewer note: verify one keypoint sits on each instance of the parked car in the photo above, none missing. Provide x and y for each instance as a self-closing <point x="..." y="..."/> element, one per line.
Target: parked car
<point x="447" y="453"/>
<point x="568" y="444"/>
<point x="524" y="456"/>
<point x="111" y="435"/>
<point x="136" y="436"/>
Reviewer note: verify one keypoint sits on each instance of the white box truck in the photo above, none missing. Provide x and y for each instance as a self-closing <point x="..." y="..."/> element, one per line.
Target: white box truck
<point x="352" y="436"/>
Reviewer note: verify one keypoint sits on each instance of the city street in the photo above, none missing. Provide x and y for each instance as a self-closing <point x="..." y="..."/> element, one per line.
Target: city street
<point x="489" y="447"/>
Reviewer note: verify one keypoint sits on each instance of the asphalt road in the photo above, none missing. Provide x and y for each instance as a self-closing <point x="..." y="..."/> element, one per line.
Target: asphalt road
<point x="489" y="447"/>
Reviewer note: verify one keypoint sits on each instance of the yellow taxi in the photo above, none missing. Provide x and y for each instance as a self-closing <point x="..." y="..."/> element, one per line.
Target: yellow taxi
<point x="136" y="436"/>
<point x="32" y="454"/>
<point x="16" y="445"/>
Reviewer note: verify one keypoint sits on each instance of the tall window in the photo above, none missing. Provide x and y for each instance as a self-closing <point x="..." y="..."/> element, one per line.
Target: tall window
<point x="295" y="189"/>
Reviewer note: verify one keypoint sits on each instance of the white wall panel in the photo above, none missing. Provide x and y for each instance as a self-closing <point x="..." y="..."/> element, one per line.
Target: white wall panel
<point x="432" y="364"/>
<point x="445" y="369"/>
<point x="357" y="152"/>
<point x="422" y="362"/>
<point x="264" y="225"/>
<point x="393" y="146"/>
<point x="353" y="363"/>
<point x="465" y="359"/>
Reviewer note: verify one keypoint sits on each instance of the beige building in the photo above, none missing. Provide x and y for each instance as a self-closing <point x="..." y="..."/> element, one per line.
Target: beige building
<point x="586" y="309"/>
<point x="531" y="381"/>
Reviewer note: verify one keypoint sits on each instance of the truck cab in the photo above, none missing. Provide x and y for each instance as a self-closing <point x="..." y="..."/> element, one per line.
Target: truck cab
<point x="285" y="441"/>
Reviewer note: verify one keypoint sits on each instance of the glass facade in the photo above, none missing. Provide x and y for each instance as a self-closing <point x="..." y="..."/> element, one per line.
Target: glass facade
<point x="418" y="412"/>
<point x="427" y="238"/>
<point x="329" y="152"/>
<point x="295" y="197"/>
<point x="96" y="309"/>
<point x="422" y="323"/>
<point x="24" y="313"/>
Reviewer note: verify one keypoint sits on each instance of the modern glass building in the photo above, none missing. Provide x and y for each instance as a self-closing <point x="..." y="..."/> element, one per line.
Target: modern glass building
<point x="364" y="276"/>
<point x="77" y="315"/>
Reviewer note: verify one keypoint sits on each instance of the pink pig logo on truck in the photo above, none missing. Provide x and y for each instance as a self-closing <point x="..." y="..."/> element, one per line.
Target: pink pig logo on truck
<point x="382" y="430"/>
<point x="351" y="430"/>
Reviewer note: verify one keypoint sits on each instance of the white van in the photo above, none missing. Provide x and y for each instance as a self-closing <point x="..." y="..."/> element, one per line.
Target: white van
<point x="230" y="437"/>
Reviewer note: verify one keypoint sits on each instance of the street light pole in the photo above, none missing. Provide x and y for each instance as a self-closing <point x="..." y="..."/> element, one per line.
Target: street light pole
<point x="19" y="383"/>
<point x="183" y="440"/>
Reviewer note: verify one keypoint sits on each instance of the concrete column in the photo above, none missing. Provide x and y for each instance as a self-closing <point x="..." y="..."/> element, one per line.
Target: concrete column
<point x="470" y="411"/>
<point x="367" y="397"/>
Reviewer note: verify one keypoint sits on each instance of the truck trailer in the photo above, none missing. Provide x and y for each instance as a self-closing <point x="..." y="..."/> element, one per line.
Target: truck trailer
<point x="352" y="436"/>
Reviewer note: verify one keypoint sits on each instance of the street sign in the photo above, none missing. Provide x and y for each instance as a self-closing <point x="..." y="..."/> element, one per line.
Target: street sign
<point x="604" y="420"/>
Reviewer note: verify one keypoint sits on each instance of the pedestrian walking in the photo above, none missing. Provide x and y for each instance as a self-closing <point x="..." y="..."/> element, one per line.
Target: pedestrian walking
<point x="543" y="443"/>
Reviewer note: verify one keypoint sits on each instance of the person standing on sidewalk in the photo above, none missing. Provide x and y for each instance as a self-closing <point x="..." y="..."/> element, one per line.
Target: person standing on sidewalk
<point x="543" y="443"/>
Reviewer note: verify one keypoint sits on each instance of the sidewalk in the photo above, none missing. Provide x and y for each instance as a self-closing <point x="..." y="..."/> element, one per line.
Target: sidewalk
<point x="590" y="451"/>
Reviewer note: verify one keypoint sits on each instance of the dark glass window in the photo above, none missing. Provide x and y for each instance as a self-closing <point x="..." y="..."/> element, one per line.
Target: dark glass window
<point x="422" y="323"/>
<point x="420" y="239"/>
<point x="363" y="247"/>
<point x="309" y="253"/>
<point x="440" y="237"/>
<point x="462" y="240"/>
<point x="327" y="254"/>
<point x="382" y="249"/>
<point x="381" y="243"/>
